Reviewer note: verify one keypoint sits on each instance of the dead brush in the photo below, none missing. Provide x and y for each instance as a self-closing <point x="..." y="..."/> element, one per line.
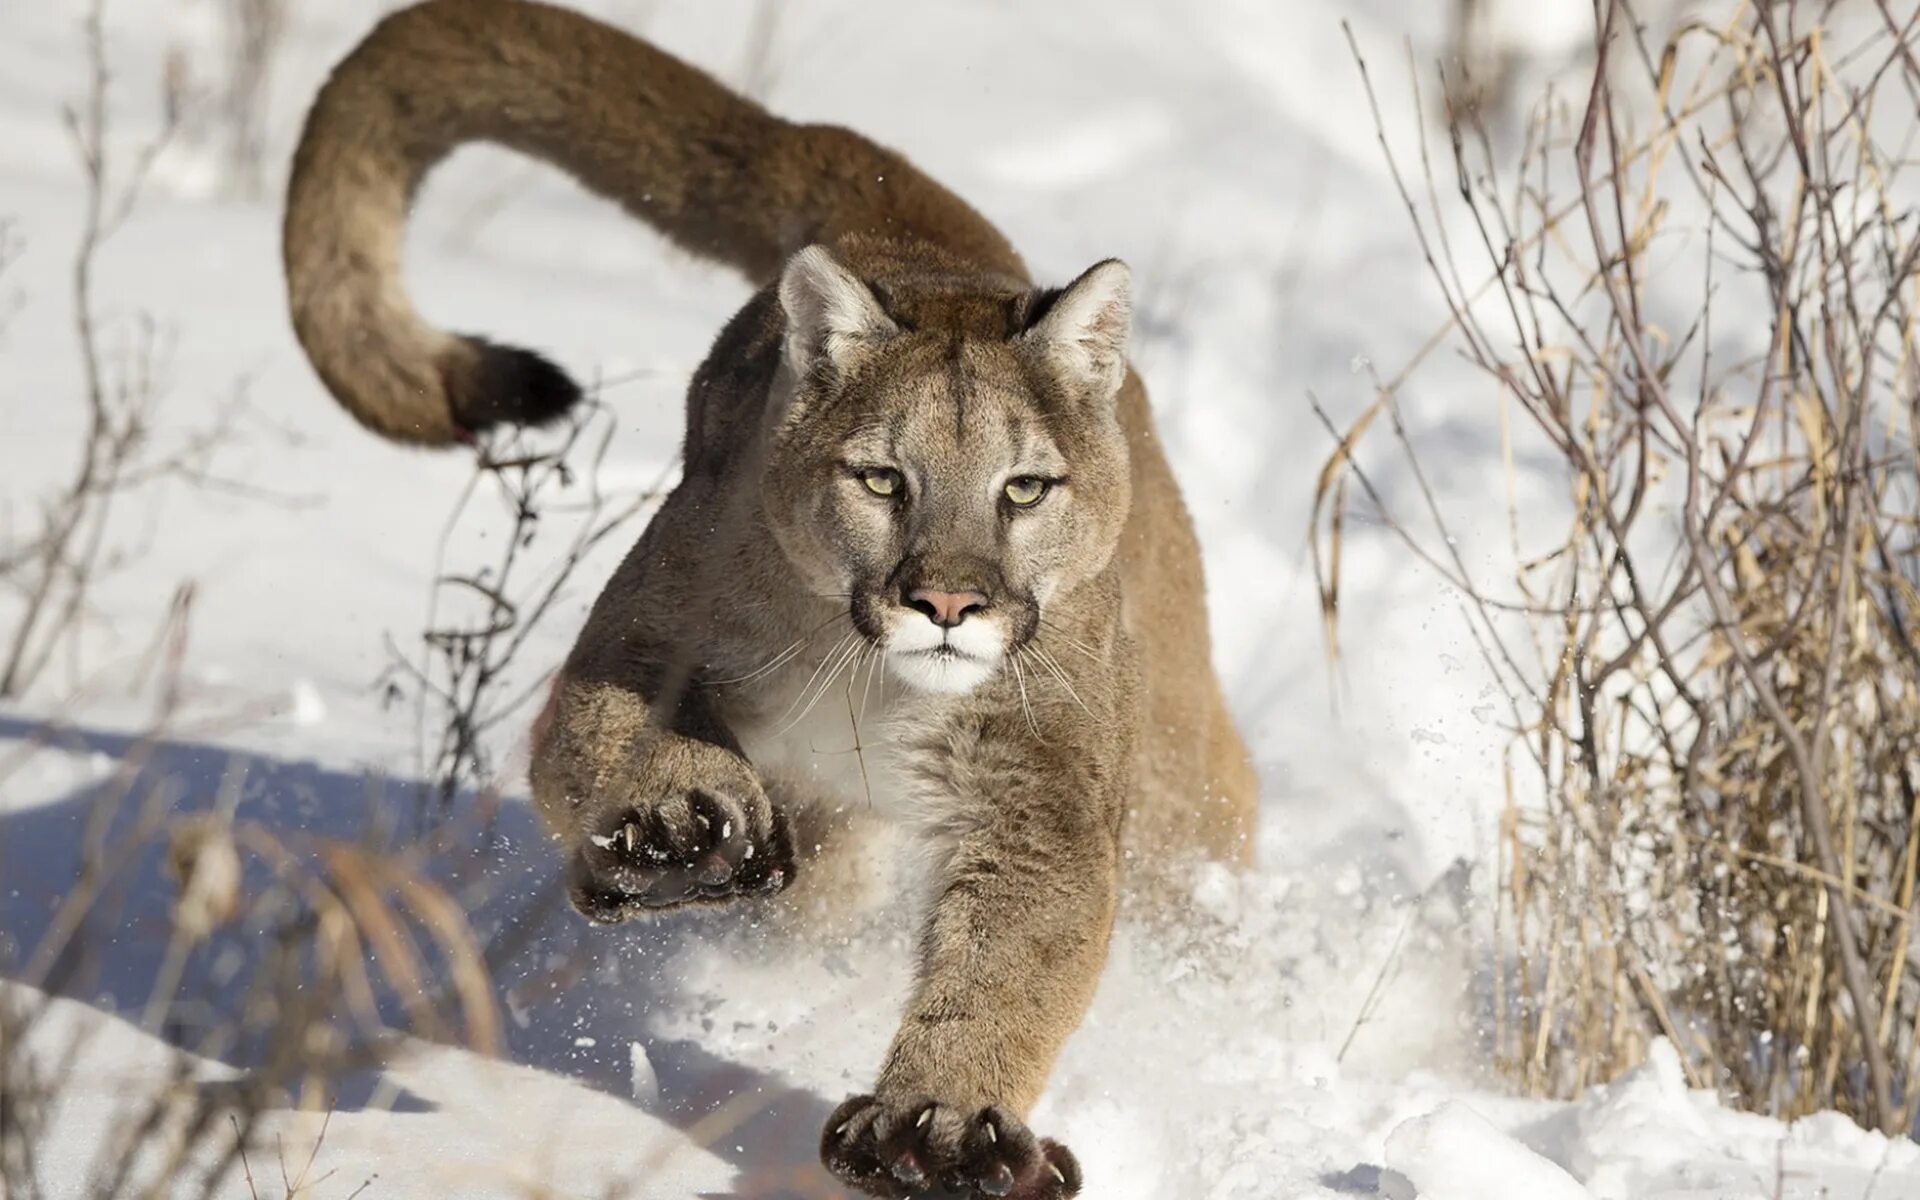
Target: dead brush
<point x="468" y="677"/>
<point x="52" y="562"/>
<point x="336" y="926"/>
<point x="352" y="946"/>
<point x="1697" y="300"/>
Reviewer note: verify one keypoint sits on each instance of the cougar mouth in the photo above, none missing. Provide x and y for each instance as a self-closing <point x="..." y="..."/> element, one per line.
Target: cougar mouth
<point x="944" y="653"/>
<point x="943" y="667"/>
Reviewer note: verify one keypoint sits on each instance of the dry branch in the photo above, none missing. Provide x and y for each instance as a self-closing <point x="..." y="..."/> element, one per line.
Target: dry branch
<point x="1700" y="298"/>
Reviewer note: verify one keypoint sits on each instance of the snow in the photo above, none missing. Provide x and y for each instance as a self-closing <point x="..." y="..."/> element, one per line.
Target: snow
<point x="305" y="707"/>
<point x="1453" y="1153"/>
<point x="1317" y="1032"/>
<point x="456" y="1137"/>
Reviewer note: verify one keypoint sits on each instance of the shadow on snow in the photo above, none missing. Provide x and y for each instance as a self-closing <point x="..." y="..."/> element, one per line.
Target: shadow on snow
<point x="562" y="983"/>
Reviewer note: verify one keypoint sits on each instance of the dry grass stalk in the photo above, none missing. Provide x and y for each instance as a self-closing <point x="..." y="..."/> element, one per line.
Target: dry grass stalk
<point x="467" y="678"/>
<point x="1711" y="673"/>
<point x="353" y="947"/>
<point x="54" y="567"/>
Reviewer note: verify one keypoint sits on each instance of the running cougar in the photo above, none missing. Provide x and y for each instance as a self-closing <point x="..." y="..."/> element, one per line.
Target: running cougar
<point x="902" y="460"/>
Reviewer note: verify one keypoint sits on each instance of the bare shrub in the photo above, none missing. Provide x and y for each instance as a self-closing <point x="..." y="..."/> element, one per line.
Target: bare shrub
<point x="54" y="566"/>
<point x="353" y="947"/>
<point x="467" y="678"/>
<point x="1483" y="74"/>
<point x="1700" y="304"/>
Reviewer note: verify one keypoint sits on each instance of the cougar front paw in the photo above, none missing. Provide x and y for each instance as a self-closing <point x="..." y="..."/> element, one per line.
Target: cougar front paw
<point x="703" y="846"/>
<point x="920" y="1147"/>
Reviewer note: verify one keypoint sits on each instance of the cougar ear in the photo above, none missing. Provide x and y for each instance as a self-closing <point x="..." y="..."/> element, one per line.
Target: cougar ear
<point x="1083" y="332"/>
<point x="831" y="315"/>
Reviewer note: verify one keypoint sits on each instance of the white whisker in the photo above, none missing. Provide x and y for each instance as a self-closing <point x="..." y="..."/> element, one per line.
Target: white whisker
<point x="839" y="658"/>
<point x="782" y="658"/>
<point x="873" y="668"/>
<point x="771" y="664"/>
<point x="1062" y="636"/>
<point x="1052" y="664"/>
<point x="830" y="656"/>
<point x="859" y="746"/>
<point x="1020" y="681"/>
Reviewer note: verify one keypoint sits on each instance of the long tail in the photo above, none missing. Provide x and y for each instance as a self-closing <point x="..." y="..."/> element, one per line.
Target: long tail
<point x="715" y="172"/>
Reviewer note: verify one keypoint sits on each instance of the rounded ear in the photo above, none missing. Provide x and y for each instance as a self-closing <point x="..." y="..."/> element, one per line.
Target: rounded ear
<point x="831" y="315"/>
<point x="1083" y="333"/>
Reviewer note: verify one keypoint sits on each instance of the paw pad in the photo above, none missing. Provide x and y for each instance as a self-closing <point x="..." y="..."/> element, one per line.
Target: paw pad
<point x="905" y="1148"/>
<point x="700" y="848"/>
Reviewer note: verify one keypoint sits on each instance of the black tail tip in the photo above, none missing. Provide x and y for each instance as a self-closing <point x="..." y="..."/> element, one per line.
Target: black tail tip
<point x="496" y="384"/>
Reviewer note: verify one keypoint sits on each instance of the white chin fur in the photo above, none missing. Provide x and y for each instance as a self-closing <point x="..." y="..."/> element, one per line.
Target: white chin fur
<point x="974" y="650"/>
<point x="950" y="674"/>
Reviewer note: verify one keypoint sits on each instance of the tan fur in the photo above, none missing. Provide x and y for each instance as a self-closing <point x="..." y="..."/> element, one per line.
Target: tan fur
<point x="741" y="685"/>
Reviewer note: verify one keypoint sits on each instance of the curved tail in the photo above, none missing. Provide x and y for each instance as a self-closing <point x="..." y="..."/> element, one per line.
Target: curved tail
<point x="713" y="171"/>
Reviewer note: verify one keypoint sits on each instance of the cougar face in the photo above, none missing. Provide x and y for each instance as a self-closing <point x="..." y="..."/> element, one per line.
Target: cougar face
<point x="946" y="481"/>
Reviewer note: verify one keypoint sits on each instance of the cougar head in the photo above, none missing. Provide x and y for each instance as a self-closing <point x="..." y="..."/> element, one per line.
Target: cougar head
<point x="947" y="457"/>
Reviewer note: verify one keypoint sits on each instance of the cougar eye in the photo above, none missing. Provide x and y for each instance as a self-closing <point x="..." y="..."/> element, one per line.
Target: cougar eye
<point x="882" y="481"/>
<point x="1026" y="491"/>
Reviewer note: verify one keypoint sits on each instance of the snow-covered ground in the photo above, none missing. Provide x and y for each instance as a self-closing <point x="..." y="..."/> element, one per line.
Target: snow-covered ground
<point x="1317" y="1033"/>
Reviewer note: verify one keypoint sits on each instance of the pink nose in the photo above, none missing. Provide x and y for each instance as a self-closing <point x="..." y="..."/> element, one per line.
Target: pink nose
<point x="945" y="609"/>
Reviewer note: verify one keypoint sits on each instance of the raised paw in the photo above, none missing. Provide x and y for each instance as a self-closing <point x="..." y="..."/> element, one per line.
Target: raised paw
<point x="920" y="1147"/>
<point x="701" y="847"/>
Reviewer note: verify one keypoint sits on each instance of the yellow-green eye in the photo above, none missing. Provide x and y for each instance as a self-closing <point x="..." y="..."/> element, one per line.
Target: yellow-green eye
<point x="882" y="481"/>
<point x="1026" y="491"/>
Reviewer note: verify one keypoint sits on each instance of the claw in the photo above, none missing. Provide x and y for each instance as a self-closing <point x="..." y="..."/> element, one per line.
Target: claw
<point x="993" y="1135"/>
<point x="631" y="833"/>
<point x="1056" y="1173"/>
<point x="924" y="1118"/>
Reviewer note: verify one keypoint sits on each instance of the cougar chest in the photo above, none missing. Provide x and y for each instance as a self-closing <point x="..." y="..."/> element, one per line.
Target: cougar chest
<point x="839" y="745"/>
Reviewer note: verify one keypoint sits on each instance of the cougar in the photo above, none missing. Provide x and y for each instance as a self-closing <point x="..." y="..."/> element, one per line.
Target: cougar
<point x="926" y="563"/>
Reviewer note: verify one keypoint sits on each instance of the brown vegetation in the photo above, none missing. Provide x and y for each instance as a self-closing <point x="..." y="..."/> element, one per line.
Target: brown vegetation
<point x="1711" y="673"/>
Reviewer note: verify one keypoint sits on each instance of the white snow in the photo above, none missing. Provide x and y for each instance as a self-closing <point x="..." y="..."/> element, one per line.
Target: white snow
<point x="1454" y="1153"/>
<point x="474" y="1127"/>
<point x="305" y="708"/>
<point x="645" y="1085"/>
<point x="1224" y="150"/>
